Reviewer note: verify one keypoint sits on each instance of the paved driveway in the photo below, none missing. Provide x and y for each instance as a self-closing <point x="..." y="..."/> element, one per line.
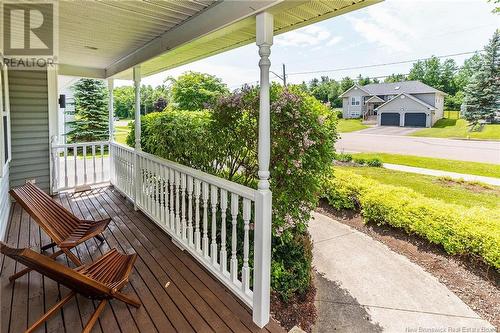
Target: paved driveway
<point x="464" y="150"/>
<point x="389" y="130"/>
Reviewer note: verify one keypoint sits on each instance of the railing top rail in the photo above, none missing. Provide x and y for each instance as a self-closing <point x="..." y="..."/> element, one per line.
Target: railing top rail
<point x="80" y="144"/>
<point x="243" y="191"/>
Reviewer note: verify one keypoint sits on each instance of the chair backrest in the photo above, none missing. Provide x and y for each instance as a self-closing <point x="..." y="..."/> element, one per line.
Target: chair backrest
<point x="64" y="275"/>
<point x="54" y="219"/>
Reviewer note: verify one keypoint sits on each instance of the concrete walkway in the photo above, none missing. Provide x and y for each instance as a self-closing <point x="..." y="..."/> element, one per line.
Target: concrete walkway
<point x="365" y="287"/>
<point x="440" y="173"/>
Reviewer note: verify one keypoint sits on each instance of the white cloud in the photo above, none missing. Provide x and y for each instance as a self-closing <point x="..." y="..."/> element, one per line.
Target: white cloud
<point x="334" y="40"/>
<point x="419" y="27"/>
<point x="384" y="26"/>
<point x="306" y="37"/>
<point x="374" y="32"/>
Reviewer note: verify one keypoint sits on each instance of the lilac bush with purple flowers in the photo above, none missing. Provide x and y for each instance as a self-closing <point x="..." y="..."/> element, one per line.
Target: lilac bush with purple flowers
<point x="223" y="140"/>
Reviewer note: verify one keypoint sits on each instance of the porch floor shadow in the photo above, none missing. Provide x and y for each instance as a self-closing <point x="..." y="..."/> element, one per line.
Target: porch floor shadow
<point x="176" y="292"/>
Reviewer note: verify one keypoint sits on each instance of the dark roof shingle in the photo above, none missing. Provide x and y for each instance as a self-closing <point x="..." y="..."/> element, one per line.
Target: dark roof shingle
<point x="408" y="87"/>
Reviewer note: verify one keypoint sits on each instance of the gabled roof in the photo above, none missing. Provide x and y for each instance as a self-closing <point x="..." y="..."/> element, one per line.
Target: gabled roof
<point x="354" y="86"/>
<point x="430" y="107"/>
<point x="408" y="87"/>
<point x="375" y="99"/>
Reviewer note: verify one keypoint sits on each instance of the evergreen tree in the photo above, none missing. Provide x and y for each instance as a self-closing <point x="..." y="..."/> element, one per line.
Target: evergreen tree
<point x="467" y="70"/>
<point x="91" y="112"/>
<point x="482" y="94"/>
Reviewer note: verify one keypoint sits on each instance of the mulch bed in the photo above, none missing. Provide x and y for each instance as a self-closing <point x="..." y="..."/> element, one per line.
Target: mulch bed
<point x="476" y="283"/>
<point x="300" y="310"/>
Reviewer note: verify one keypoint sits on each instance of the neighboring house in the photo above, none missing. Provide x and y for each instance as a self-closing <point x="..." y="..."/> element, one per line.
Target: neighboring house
<point x="408" y="103"/>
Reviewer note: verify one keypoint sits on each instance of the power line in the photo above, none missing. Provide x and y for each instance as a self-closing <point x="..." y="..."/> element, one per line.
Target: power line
<point x="382" y="64"/>
<point x="366" y="66"/>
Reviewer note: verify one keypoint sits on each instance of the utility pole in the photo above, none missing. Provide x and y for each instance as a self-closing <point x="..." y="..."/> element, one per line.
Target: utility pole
<point x="281" y="77"/>
<point x="284" y="75"/>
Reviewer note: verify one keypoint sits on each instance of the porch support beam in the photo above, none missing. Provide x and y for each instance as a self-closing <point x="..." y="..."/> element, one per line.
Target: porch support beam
<point x="137" y="88"/>
<point x="111" y="85"/>
<point x="111" y="126"/>
<point x="89" y="72"/>
<point x="263" y="202"/>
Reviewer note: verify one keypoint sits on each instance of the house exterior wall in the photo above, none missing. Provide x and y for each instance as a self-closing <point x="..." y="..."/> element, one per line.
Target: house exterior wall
<point x="439" y="105"/>
<point x="65" y="86"/>
<point x="402" y="106"/>
<point x="29" y="128"/>
<point x="353" y="111"/>
<point x="427" y="98"/>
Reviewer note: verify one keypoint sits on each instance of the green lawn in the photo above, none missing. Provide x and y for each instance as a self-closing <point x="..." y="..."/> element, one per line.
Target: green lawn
<point x="350" y="125"/>
<point x="432" y="187"/>
<point x="122" y="130"/>
<point x="458" y="128"/>
<point x="472" y="168"/>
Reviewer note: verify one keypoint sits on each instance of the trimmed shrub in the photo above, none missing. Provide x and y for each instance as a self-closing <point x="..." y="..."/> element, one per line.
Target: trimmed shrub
<point x="180" y="136"/>
<point x="374" y="162"/>
<point x="458" y="229"/>
<point x="343" y="157"/>
<point x="358" y="160"/>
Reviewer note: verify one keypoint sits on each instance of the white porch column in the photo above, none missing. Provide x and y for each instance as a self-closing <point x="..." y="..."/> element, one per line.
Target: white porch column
<point x="111" y="86"/>
<point x="263" y="201"/>
<point x="111" y="127"/>
<point x="137" y="87"/>
<point x="53" y="108"/>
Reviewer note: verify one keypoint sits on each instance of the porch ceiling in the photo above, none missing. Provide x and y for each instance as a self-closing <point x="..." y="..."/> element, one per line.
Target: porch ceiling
<point x="161" y="35"/>
<point x="97" y="34"/>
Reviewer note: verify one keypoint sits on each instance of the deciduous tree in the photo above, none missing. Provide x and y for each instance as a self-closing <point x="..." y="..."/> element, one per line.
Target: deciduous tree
<point x="195" y="91"/>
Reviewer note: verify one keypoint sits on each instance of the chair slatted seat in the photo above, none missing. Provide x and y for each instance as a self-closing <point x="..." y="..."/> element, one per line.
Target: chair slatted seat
<point x="64" y="228"/>
<point x="101" y="280"/>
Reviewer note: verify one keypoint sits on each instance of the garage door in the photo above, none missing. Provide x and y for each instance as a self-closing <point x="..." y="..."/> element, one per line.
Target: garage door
<point x="415" y="119"/>
<point x="389" y="119"/>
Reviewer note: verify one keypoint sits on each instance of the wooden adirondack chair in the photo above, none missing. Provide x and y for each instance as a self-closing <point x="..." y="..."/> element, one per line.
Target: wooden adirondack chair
<point x="64" y="228"/>
<point x="101" y="280"/>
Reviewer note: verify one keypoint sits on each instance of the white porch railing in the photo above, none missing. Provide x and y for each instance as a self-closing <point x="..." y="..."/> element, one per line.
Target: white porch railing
<point x="210" y="217"/>
<point x="79" y="164"/>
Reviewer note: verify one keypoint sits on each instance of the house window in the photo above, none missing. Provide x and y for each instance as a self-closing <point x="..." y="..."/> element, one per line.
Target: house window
<point x="355" y="101"/>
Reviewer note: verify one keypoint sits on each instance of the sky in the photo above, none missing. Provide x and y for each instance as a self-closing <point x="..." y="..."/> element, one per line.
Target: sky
<point x="391" y="31"/>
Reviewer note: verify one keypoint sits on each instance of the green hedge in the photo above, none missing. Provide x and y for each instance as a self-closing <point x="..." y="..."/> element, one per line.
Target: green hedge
<point x="458" y="229"/>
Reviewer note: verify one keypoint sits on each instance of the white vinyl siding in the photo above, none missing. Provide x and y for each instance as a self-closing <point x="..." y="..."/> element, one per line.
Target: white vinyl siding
<point x="352" y="106"/>
<point x="30" y="128"/>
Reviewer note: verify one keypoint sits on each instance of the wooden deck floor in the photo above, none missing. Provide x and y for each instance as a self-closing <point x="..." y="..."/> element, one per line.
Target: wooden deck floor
<point x="177" y="294"/>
